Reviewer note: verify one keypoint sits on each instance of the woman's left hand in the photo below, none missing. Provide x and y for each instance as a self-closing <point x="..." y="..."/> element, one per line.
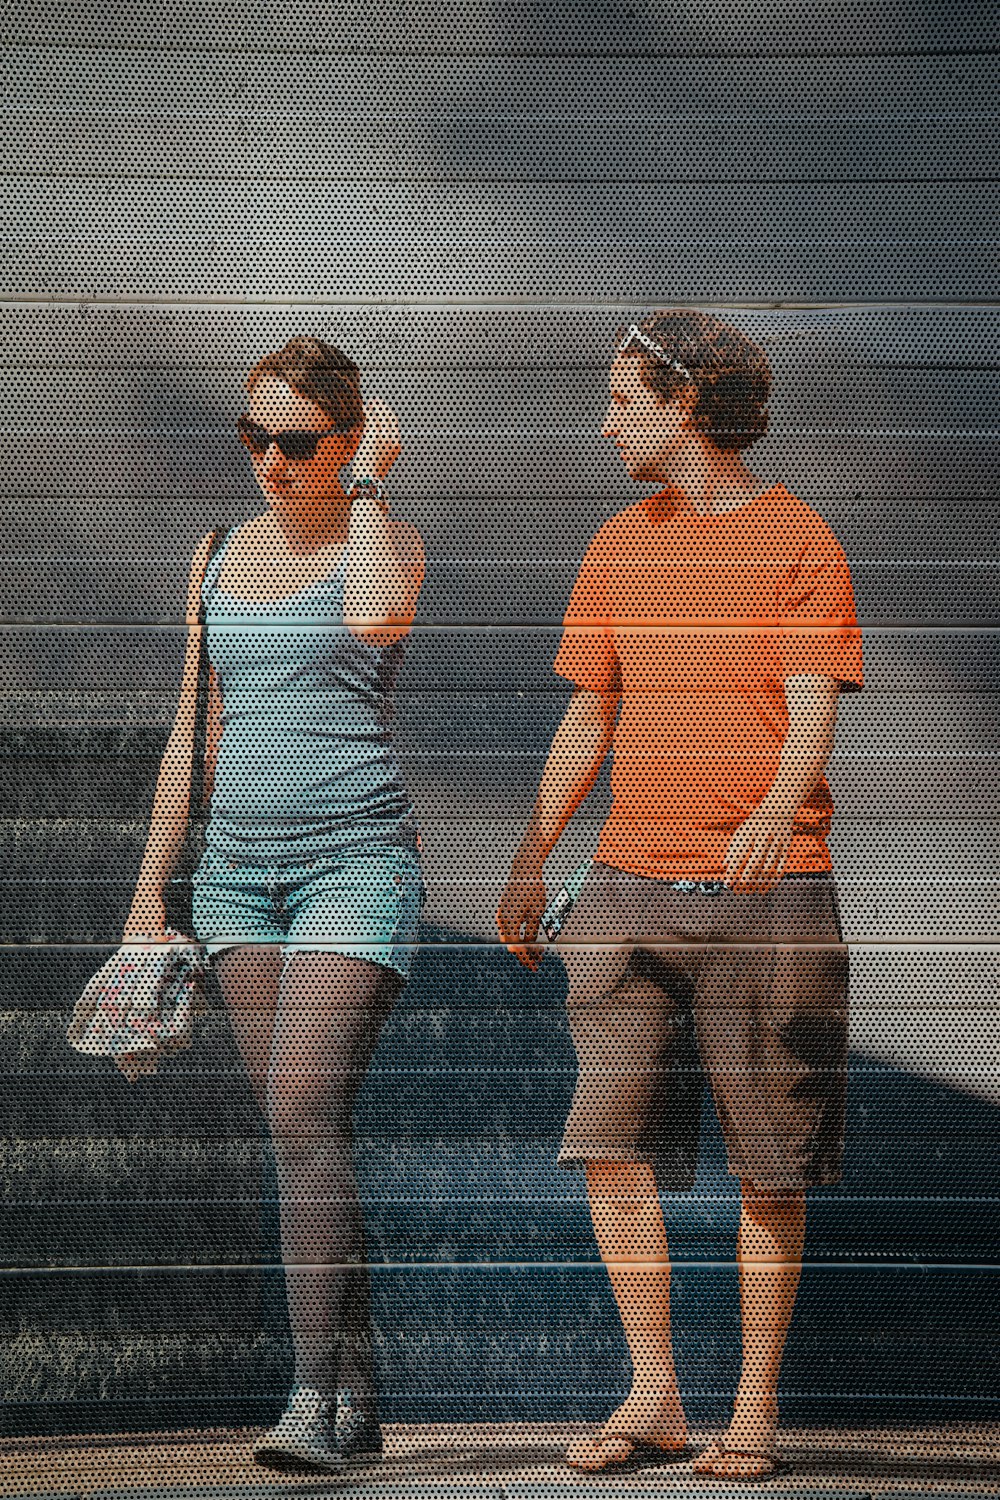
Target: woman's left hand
<point x="381" y="443"/>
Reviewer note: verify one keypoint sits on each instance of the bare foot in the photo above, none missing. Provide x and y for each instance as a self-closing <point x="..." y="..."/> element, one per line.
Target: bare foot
<point x="592" y="1454"/>
<point x="746" y="1449"/>
<point x="655" y="1417"/>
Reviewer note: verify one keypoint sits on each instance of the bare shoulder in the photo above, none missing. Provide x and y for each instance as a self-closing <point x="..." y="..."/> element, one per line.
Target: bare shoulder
<point x="199" y="562"/>
<point x="200" y="559"/>
<point x="262" y="527"/>
<point x="243" y="535"/>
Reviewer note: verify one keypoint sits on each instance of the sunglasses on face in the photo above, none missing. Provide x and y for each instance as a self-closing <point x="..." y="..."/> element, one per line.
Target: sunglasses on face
<point x="295" y="446"/>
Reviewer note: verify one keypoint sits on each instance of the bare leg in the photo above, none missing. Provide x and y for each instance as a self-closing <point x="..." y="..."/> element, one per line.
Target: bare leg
<point x="769" y="1253"/>
<point x="306" y="1034"/>
<point x="249" y="978"/>
<point x="632" y="1238"/>
<point x="332" y="1010"/>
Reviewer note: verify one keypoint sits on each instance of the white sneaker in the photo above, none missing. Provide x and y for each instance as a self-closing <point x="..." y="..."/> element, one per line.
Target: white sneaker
<point x="306" y="1435"/>
<point x="359" y="1436"/>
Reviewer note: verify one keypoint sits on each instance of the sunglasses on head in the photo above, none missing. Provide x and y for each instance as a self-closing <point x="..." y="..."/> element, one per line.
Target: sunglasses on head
<point x="636" y="335"/>
<point x="295" y="446"/>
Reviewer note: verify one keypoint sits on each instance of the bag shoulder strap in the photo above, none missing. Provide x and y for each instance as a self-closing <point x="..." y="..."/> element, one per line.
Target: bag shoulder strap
<point x="199" y="749"/>
<point x="217" y="539"/>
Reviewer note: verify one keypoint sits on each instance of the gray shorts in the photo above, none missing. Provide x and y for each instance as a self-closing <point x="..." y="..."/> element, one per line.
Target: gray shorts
<point x="667" y="987"/>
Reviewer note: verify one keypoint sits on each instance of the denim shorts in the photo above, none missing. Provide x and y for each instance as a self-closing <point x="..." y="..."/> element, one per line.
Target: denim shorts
<point x="364" y="903"/>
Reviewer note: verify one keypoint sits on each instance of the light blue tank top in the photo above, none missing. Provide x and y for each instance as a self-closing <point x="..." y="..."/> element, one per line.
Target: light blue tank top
<point x="306" y="763"/>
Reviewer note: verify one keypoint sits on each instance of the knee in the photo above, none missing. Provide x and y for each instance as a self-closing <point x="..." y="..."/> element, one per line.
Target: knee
<point x="627" y="1187"/>
<point x="767" y="1204"/>
<point x="303" y="1108"/>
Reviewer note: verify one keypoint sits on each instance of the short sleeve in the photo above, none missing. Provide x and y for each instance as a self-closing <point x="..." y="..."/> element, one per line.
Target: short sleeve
<point x="587" y="653"/>
<point x="819" y="631"/>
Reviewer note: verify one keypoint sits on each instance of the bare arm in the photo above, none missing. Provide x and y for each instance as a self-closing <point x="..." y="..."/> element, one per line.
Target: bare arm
<point x="759" y="848"/>
<point x="577" y="753"/>
<point x="385" y="569"/>
<point x="168" y="822"/>
<point x="385" y="566"/>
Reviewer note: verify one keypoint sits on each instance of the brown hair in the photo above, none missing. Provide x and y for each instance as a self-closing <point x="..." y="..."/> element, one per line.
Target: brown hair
<point x="319" y="371"/>
<point x="730" y="372"/>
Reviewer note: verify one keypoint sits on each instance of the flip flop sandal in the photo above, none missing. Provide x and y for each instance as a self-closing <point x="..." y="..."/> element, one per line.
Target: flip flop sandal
<point x="778" y="1465"/>
<point x="642" y="1455"/>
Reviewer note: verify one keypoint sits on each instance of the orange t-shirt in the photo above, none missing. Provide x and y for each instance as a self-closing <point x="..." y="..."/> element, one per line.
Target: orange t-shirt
<point x="697" y="621"/>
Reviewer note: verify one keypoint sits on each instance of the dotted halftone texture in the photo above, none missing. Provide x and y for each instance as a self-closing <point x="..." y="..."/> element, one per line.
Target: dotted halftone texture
<point x="358" y="1184"/>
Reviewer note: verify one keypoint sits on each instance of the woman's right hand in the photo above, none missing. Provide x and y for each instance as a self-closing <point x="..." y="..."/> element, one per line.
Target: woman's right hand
<point x="381" y="443"/>
<point x="147" y="918"/>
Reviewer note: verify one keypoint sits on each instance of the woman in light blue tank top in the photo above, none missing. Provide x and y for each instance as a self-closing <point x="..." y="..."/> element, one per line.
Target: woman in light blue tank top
<point x="306" y="763"/>
<point x="309" y="893"/>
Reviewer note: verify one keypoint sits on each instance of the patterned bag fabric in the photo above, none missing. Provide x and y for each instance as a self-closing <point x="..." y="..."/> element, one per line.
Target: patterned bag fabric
<point x="141" y="1005"/>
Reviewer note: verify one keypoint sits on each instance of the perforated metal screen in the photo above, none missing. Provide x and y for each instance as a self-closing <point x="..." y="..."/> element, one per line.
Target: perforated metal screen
<point x="377" y="1155"/>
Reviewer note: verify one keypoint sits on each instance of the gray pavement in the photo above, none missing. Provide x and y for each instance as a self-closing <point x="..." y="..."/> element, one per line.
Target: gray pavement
<point x="509" y="1461"/>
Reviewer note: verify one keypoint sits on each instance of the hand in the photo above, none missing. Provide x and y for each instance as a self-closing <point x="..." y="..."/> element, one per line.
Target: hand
<point x="519" y="913"/>
<point x="380" y="444"/>
<point x="147" y="919"/>
<point x="755" y="859"/>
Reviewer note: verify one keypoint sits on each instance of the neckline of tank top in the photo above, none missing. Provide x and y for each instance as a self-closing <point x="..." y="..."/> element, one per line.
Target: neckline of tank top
<point x="280" y="599"/>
